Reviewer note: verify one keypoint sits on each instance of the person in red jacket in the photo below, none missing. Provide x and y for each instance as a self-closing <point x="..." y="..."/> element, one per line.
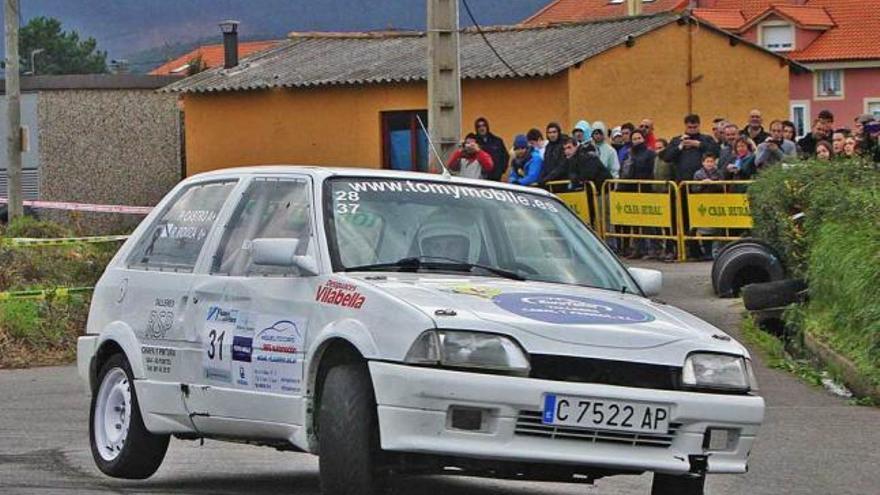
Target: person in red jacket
<point x="469" y="160"/>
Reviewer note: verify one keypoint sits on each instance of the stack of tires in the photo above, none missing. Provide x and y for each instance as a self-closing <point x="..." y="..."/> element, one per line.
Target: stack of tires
<point x="753" y="269"/>
<point x="746" y="261"/>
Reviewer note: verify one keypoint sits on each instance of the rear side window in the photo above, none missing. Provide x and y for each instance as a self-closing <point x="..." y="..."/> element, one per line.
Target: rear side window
<point x="269" y="209"/>
<point x="176" y="239"/>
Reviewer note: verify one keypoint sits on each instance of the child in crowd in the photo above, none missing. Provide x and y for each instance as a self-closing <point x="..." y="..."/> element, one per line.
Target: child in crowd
<point x="708" y="173"/>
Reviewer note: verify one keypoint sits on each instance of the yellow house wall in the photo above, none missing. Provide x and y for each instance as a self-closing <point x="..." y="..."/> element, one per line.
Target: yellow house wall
<point x="649" y="80"/>
<point x="341" y="126"/>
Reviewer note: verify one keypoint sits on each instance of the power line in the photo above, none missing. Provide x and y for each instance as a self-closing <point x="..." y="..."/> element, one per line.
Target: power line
<point x="480" y="30"/>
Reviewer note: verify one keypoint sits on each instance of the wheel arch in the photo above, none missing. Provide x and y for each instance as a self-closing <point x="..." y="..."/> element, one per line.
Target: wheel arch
<point x="333" y="351"/>
<point x="116" y="338"/>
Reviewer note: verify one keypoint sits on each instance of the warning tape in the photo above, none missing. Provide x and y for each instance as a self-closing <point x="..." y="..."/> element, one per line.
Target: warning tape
<point x="58" y="292"/>
<point x="60" y="205"/>
<point x="61" y="241"/>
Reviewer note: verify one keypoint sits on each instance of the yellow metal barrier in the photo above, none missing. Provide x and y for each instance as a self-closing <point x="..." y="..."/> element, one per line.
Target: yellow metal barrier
<point x="640" y="209"/>
<point x="583" y="202"/>
<point x="719" y="208"/>
<point x="661" y="210"/>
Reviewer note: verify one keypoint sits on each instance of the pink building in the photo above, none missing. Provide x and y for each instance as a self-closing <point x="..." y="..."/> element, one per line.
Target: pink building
<point x="838" y="39"/>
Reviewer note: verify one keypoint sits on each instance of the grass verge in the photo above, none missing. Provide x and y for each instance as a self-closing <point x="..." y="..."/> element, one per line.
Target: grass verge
<point x="36" y="332"/>
<point x="775" y="355"/>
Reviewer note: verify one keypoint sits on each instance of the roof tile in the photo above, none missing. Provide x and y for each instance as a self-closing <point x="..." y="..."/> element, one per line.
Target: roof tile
<point x="558" y="11"/>
<point x="725" y="19"/>
<point x="854" y="36"/>
<point x="852" y="25"/>
<point x="317" y="59"/>
<point x="212" y="56"/>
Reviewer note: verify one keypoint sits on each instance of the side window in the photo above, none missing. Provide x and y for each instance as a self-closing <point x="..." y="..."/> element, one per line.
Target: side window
<point x="270" y="208"/>
<point x="176" y="239"/>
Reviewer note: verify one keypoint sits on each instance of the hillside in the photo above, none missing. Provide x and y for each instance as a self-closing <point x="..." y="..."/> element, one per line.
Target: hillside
<point x="148" y="32"/>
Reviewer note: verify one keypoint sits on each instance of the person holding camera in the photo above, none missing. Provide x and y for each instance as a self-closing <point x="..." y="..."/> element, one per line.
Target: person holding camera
<point x="775" y="148"/>
<point x="685" y="152"/>
<point x="470" y="161"/>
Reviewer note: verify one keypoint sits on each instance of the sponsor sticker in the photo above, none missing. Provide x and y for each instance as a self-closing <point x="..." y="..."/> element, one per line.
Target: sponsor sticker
<point x="340" y="294"/>
<point x="253" y="351"/>
<point x="476" y="290"/>
<point x="161" y="319"/>
<point x="161" y="361"/>
<point x="569" y="310"/>
<point x="277" y="357"/>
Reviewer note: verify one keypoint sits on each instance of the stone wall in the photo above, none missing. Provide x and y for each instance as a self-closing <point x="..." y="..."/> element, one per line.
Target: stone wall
<point x="107" y="146"/>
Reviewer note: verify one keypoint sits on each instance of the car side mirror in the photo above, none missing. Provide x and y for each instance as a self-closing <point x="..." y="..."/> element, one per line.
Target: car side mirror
<point x="281" y="252"/>
<point x="651" y="281"/>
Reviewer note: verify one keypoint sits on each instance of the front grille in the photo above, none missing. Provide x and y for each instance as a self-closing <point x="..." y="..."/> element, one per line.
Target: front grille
<point x="607" y="372"/>
<point x="529" y="423"/>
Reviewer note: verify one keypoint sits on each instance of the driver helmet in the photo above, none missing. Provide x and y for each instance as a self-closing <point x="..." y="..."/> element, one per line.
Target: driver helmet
<point x="446" y="236"/>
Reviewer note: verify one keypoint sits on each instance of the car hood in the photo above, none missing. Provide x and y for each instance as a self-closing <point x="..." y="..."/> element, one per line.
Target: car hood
<point x="563" y="313"/>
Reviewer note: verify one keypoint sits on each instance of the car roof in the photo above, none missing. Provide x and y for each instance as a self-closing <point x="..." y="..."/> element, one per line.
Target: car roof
<point x="322" y="173"/>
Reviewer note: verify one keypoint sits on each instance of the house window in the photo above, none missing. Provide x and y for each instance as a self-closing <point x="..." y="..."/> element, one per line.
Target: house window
<point x="404" y="144"/>
<point x="873" y="107"/>
<point x="800" y="116"/>
<point x="829" y="83"/>
<point x="779" y="38"/>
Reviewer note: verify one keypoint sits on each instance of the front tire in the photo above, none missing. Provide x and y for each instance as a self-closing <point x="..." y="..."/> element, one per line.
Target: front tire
<point x="348" y="433"/>
<point x="121" y="445"/>
<point x="668" y="484"/>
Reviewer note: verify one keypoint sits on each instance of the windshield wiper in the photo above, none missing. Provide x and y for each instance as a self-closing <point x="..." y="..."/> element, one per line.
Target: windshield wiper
<point x="414" y="263"/>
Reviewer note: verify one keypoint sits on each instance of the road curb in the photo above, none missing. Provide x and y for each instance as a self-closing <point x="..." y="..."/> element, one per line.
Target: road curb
<point x="848" y="371"/>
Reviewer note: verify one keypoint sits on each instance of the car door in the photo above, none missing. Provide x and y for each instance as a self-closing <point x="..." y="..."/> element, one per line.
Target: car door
<point x="154" y="288"/>
<point x="252" y="321"/>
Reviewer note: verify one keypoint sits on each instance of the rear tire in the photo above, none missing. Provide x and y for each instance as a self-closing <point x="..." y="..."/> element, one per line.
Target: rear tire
<point x="667" y="484"/>
<point x="121" y="445"/>
<point x="348" y="433"/>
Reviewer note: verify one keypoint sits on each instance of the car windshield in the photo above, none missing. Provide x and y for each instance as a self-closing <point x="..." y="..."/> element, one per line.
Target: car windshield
<point x="402" y="224"/>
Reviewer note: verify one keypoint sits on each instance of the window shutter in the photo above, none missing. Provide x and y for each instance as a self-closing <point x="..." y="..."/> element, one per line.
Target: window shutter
<point x="778" y="38"/>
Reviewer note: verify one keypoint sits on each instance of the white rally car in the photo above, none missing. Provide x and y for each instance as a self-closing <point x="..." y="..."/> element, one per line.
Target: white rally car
<point x="394" y="322"/>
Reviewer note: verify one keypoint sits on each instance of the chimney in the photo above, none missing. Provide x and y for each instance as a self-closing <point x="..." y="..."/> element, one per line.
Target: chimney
<point x="229" y="29"/>
<point x="633" y="7"/>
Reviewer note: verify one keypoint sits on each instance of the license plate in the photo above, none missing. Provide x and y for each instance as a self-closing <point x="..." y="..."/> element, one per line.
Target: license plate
<point x="605" y="414"/>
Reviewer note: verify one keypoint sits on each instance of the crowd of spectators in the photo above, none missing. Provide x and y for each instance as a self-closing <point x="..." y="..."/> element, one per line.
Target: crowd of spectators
<point x="593" y="153"/>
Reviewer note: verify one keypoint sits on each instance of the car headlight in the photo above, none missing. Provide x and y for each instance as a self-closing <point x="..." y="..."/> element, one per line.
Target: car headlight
<point x="462" y="349"/>
<point x="718" y="371"/>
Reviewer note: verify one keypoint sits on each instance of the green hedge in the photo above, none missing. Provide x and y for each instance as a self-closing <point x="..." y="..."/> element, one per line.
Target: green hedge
<point x="839" y="191"/>
<point x="835" y="247"/>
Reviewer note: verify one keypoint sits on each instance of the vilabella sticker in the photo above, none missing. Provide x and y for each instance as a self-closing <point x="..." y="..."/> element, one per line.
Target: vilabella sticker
<point x="340" y="294"/>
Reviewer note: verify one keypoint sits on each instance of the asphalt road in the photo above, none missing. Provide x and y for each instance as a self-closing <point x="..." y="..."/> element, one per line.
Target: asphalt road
<point x="811" y="443"/>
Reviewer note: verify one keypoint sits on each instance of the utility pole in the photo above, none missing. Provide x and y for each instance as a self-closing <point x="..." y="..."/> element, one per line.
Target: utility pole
<point x="444" y="81"/>
<point x="13" y="110"/>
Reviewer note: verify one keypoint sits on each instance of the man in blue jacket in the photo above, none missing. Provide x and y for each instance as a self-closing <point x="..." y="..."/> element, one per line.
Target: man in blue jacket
<point x="526" y="166"/>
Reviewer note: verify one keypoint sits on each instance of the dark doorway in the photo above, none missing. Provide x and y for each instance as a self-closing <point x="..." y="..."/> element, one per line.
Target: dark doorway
<point x="404" y="145"/>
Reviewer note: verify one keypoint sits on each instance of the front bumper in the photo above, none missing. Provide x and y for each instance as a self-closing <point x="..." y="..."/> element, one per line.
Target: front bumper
<point x="414" y="416"/>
